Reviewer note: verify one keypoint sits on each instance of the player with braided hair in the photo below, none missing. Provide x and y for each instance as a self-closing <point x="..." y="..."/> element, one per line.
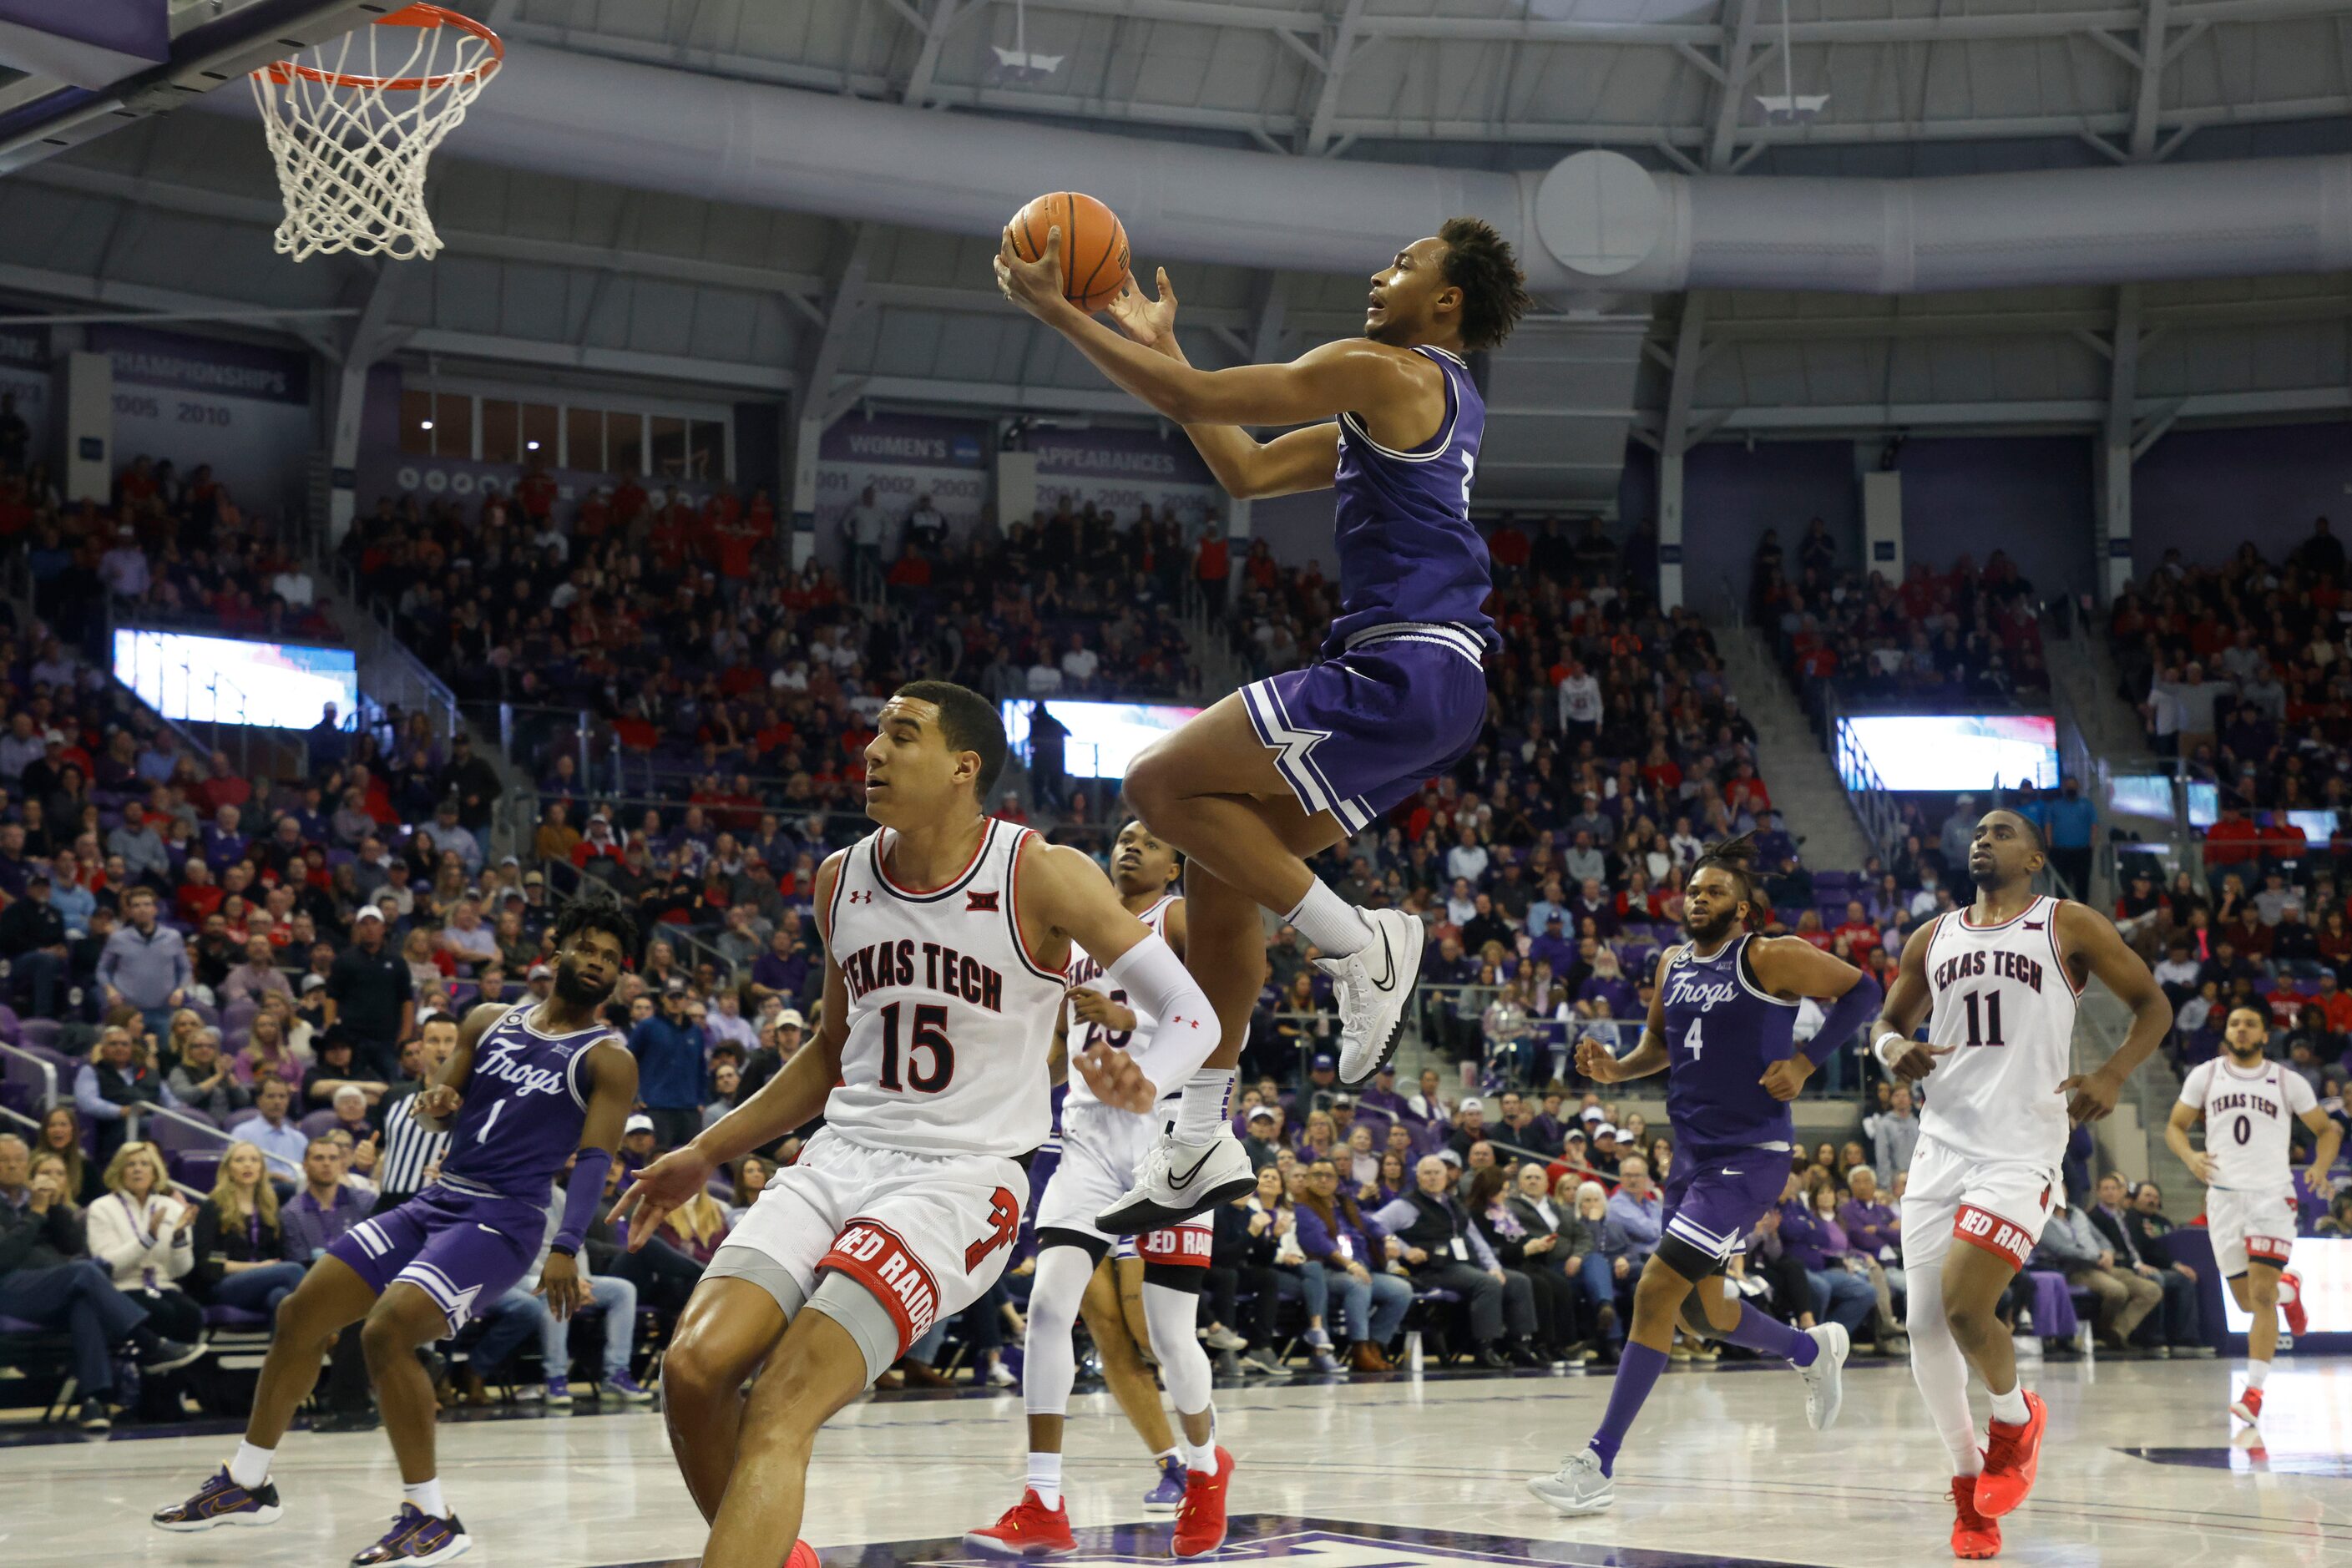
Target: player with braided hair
<point x="1719" y="1025"/>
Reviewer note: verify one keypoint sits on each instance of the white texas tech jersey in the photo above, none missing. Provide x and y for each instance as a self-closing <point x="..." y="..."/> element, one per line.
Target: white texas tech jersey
<point x="2246" y="1114"/>
<point x="951" y="1021"/>
<point x="1084" y="970"/>
<point x="2003" y="998"/>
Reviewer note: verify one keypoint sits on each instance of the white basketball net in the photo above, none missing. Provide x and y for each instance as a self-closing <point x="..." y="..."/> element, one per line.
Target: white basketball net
<point x="352" y="128"/>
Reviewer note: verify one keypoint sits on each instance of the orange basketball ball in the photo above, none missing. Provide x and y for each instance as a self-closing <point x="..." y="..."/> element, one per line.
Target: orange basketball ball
<point x="1094" y="244"/>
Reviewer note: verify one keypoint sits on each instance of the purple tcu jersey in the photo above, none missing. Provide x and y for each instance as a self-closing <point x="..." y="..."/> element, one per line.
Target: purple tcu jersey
<point x="1722" y="1031"/>
<point x="523" y="1110"/>
<point x="1407" y="552"/>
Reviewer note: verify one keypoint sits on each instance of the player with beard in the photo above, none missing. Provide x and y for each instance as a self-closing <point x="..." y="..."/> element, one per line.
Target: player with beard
<point x="1719" y="1025"/>
<point x="1998" y="983"/>
<point x="2246" y="1102"/>
<point x="526" y="1087"/>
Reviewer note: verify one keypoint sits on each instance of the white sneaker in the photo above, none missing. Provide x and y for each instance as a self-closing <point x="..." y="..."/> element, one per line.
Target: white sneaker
<point x="1578" y="1486"/>
<point x="1218" y="1337"/>
<point x="999" y="1376"/>
<point x="1825" y="1379"/>
<point x="1371" y="986"/>
<point x="1178" y="1181"/>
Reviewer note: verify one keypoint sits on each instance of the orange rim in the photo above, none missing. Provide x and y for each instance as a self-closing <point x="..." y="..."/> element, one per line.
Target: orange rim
<point x="284" y="71"/>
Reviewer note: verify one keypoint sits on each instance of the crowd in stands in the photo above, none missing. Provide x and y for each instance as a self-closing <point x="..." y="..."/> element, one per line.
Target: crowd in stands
<point x="1968" y="634"/>
<point x="241" y="981"/>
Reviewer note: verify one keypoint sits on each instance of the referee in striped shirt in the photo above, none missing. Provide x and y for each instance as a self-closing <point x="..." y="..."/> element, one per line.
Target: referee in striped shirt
<point x="410" y="1148"/>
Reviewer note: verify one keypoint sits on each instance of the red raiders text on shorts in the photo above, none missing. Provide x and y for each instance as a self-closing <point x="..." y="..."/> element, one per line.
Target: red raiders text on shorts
<point x="1187" y="1246"/>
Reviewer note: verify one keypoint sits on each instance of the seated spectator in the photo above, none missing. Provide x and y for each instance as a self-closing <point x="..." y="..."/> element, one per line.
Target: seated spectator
<point x="697" y="1226"/>
<point x="1432" y="1230"/>
<point x="257" y="976"/>
<point x="327" y="1204"/>
<point x="2072" y="1245"/>
<point x="1814" y="1237"/>
<point x="537" y="1305"/>
<point x="203" y="1080"/>
<point x="240" y="1246"/>
<point x="272" y="1133"/>
<point x="1334" y="1234"/>
<point x="333" y="1072"/>
<point x="45" y="1280"/>
<point x="1525" y="1243"/>
<point x="61" y="1136"/>
<point x="752" y="1174"/>
<point x="265" y="1057"/>
<point x="142" y="1231"/>
<point x="2173" y="1330"/>
<point x="1583" y="1208"/>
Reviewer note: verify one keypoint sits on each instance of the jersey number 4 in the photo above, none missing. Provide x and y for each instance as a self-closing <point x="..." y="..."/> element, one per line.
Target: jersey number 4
<point x="930" y="1036"/>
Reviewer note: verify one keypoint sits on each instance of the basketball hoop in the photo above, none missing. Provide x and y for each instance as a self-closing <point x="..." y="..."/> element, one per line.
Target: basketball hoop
<point x="351" y="145"/>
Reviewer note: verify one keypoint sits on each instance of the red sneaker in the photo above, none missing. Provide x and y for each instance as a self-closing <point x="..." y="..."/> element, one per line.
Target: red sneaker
<point x="1973" y="1535"/>
<point x="2249" y="1407"/>
<point x="2298" y="1321"/>
<point x="804" y="1555"/>
<point x="1029" y="1529"/>
<point x="1201" y="1517"/>
<point x="2012" y="1457"/>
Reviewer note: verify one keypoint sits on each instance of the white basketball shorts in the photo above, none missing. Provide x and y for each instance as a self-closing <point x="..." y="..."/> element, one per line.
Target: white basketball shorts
<point x="1997" y="1205"/>
<point x="2250" y="1226"/>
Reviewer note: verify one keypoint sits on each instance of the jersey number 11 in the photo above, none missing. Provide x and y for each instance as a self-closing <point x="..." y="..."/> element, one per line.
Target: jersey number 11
<point x="1984" y="1030"/>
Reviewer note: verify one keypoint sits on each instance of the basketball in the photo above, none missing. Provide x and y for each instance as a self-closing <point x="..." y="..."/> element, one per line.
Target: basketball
<point x="1094" y="244"/>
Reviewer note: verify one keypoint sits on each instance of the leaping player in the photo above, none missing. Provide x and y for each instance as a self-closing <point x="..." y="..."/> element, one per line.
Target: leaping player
<point x="946" y="936"/>
<point x="2245" y="1101"/>
<point x="1289" y="766"/>
<point x="1101" y="1151"/>
<point x="1999" y="983"/>
<point x="525" y="1087"/>
<point x="1719" y="1025"/>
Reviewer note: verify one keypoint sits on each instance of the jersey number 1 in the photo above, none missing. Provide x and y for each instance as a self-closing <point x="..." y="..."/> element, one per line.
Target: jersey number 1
<point x="1984" y="1030"/>
<point x="930" y="1035"/>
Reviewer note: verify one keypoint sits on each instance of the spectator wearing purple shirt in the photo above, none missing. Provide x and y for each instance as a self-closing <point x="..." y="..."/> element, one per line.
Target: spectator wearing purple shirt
<point x="1335" y="1236"/>
<point x="1607" y="981"/>
<point x="223" y="844"/>
<point x="1819" y="1245"/>
<point x="325" y="1209"/>
<point x="1382" y="1096"/>
<point x="783" y="969"/>
<point x="1553" y="944"/>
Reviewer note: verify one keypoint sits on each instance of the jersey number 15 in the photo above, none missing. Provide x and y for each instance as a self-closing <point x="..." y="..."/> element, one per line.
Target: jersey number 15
<point x="930" y="1036"/>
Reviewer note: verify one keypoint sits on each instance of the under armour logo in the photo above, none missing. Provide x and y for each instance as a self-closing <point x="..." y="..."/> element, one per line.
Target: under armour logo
<point x="2034" y="925"/>
<point x="861" y="897"/>
<point x="979" y="903"/>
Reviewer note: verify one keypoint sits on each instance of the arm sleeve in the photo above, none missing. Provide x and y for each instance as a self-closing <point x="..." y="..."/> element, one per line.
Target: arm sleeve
<point x="1186" y="1029"/>
<point x="1844" y="1018"/>
<point x="580" y="1197"/>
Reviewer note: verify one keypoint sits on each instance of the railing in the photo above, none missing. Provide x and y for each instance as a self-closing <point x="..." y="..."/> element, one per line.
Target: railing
<point x="20" y="1060"/>
<point x="1865" y="791"/>
<point x="390" y="676"/>
<point x="33" y="1136"/>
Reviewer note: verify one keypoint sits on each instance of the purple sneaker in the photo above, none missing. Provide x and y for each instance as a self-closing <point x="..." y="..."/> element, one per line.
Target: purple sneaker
<point x="620" y="1385"/>
<point x="221" y="1501"/>
<point x="1169" y="1495"/>
<point x="417" y="1538"/>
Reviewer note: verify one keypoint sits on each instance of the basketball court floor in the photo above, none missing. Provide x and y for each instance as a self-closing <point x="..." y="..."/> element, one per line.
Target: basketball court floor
<point x="2141" y="1468"/>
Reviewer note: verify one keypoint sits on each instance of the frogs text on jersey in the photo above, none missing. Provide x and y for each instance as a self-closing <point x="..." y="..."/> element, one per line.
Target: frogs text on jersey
<point x="931" y="964"/>
<point x="1685" y="988"/>
<point x="526" y="1080"/>
<point x="1998" y="962"/>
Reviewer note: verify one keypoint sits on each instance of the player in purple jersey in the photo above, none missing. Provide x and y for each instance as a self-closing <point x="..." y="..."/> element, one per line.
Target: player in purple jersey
<point x="526" y="1087"/>
<point x="1719" y="1024"/>
<point x="1290" y="766"/>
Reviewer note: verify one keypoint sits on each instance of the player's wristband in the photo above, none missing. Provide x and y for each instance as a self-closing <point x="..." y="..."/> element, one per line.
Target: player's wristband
<point x="1878" y="1048"/>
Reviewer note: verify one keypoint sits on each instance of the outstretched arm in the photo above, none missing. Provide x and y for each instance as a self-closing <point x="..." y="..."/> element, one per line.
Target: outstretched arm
<point x="1350" y="375"/>
<point x="1305" y="459"/>
<point x="2082" y="930"/>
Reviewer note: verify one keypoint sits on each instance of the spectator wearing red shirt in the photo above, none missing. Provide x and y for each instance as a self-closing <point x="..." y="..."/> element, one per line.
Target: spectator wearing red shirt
<point x="1857" y="929"/>
<point x="2334" y="1003"/>
<point x="2232" y="841"/>
<point x="1508" y="549"/>
<point x="535" y="493"/>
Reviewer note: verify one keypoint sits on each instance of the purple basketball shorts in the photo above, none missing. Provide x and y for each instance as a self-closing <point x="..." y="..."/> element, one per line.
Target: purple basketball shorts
<point x="1714" y="1200"/>
<point x="1357" y="734"/>
<point x="463" y="1250"/>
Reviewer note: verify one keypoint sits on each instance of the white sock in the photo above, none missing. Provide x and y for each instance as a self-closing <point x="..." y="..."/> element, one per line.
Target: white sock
<point x="2257" y="1373"/>
<point x="1206" y="1107"/>
<point x="1329" y="922"/>
<point x="1045" y="1479"/>
<point x="426" y="1495"/>
<point x="249" y="1466"/>
<point x="1204" y="1457"/>
<point x="2009" y="1410"/>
